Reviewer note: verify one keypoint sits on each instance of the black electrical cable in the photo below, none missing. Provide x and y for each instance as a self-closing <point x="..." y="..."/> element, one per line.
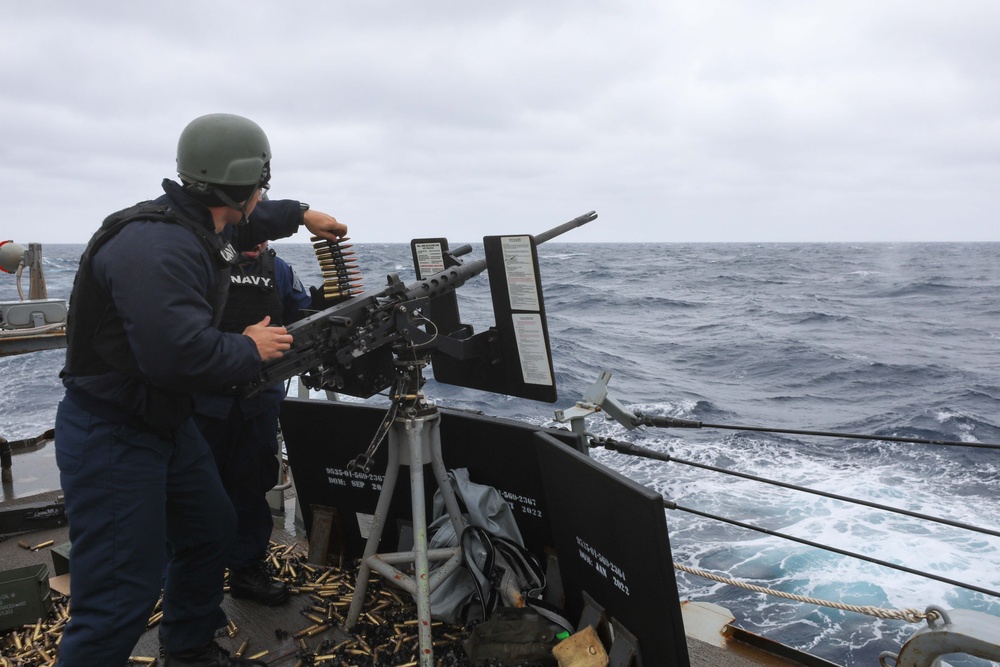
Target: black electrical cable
<point x="670" y="422"/>
<point x="637" y="450"/>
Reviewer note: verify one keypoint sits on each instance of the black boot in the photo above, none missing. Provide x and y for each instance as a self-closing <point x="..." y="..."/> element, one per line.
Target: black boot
<point x="209" y="655"/>
<point x="253" y="583"/>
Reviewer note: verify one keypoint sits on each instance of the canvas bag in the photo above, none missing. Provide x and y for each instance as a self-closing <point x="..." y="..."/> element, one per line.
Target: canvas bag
<point x="457" y="600"/>
<point x="513" y="637"/>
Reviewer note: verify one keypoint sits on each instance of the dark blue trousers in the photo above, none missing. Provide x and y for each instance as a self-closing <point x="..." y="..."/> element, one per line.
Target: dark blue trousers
<point x="128" y="492"/>
<point x="245" y="450"/>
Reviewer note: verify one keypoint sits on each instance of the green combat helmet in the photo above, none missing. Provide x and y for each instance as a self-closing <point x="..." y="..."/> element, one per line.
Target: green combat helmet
<point x="222" y="159"/>
<point x="223" y="149"/>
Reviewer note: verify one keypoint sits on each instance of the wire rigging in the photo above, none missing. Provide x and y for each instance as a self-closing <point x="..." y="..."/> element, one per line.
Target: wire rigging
<point x="669" y="504"/>
<point x="670" y="422"/>
<point x="637" y="450"/>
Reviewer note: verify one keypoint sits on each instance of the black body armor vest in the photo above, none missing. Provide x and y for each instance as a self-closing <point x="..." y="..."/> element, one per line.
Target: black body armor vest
<point x="253" y="293"/>
<point x="96" y="342"/>
<point x="95" y="337"/>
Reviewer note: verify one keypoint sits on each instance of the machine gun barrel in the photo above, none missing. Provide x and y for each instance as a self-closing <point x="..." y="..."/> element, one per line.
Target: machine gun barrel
<point x="445" y="281"/>
<point x="565" y="227"/>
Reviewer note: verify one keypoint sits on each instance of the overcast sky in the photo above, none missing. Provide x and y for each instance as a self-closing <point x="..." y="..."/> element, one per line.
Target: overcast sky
<point x="707" y="120"/>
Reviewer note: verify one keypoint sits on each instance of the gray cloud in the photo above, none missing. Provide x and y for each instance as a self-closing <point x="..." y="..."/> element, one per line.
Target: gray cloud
<point x="709" y="121"/>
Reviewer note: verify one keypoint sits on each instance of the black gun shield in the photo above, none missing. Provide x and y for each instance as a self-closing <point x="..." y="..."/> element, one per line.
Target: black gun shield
<point x="611" y="535"/>
<point x="522" y="361"/>
<point x="323" y="436"/>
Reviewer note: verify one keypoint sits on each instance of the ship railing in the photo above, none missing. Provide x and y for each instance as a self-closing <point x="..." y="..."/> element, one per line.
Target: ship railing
<point x="954" y="631"/>
<point x="34" y="323"/>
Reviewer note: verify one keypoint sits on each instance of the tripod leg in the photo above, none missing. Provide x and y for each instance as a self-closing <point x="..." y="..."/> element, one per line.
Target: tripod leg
<point x="444" y="484"/>
<point x="375" y="534"/>
<point x="415" y="432"/>
<point x="416" y="439"/>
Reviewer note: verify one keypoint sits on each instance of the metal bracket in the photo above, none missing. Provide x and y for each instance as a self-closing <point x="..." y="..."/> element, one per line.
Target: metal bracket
<point x="952" y="631"/>
<point x="624" y="651"/>
<point x="594" y="400"/>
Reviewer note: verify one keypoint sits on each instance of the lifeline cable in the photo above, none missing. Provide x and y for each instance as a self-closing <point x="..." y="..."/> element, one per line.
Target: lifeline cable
<point x="637" y="450"/>
<point x="670" y="422"/>
<point x="669" y="504"/>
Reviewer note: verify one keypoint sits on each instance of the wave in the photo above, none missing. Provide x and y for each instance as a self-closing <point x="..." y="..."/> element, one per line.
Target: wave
<point x="876" y="339"/>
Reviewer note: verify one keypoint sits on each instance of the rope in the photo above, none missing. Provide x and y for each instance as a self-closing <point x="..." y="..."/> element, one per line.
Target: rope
<point x="27" y="332"/>
<point x="909" y="615"/>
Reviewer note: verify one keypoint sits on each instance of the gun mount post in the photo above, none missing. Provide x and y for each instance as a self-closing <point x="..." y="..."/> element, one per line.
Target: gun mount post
<point x="414" y="441"/>
<point x="358" y="340"/>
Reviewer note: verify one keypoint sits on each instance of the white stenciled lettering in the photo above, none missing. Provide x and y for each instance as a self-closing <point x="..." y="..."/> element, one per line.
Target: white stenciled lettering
<point x="251" y="280"/>
<point x="603" y="565"/>
<point x="228" y="253"/>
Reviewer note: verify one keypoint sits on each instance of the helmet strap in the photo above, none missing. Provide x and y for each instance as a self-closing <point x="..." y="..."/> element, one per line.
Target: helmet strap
<point x="228" y="201"/>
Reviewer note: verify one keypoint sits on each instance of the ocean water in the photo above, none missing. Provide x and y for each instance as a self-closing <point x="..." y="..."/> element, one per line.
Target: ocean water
<point x="881" y="339"/>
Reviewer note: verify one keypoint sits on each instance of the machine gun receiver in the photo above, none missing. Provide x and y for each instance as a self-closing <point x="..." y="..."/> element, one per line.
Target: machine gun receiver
<point x="351" y="346"/>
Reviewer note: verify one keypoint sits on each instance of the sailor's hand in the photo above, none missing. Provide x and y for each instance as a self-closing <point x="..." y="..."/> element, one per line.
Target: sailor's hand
<point x="271" y="342"/>
<point x="324" y="225"/>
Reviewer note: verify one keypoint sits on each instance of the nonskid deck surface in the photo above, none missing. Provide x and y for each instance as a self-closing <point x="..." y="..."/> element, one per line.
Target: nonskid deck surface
<point x="306" y="628"/>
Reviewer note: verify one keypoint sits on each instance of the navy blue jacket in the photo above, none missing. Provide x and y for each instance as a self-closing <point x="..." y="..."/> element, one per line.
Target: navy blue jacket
<point x="162" y="281"/>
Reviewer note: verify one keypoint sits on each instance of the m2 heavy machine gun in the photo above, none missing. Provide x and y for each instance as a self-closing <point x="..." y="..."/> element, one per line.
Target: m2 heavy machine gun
<point x="373" y="341"/>
<point x="352" y="347"/>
